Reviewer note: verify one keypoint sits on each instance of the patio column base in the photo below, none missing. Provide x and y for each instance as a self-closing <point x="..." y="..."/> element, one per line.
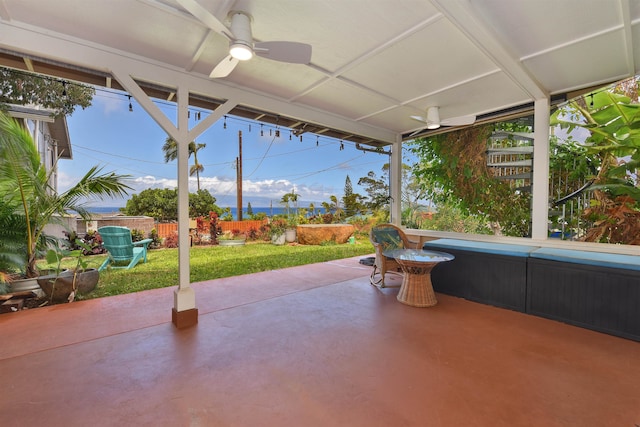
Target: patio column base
<point x="184" y="319"/>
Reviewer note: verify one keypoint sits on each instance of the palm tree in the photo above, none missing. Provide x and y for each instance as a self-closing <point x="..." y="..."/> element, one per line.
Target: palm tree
<point x="285" y="201"/>
<point x="12" y="233"/>
<point x="290" y="197"/>
<point x="335" y="207"/>
<point x="293" y="196"/>
<point x="25" y="188"/>
<point x="170" y="149"/>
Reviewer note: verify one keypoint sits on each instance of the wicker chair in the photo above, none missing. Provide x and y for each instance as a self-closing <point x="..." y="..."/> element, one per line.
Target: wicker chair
<point x="384" y="237"/>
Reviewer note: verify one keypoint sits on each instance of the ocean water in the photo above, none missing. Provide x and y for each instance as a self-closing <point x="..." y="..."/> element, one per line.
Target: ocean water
<point x="104" y="210"/>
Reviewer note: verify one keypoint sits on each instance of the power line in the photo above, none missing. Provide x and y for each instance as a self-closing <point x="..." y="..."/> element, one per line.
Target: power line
<point x="117" y="155"/>
<point x="263" y="157"/>
<point x="113" y="94"/>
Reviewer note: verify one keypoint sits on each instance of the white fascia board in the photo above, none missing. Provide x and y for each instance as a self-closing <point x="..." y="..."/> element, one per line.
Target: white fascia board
<point x="46" y="44"/>
<point x="30" y="113"/>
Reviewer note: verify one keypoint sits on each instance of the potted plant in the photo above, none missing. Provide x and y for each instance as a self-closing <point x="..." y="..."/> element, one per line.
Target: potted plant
<point x="290" y="231"/>
<point x="277" y="228"/>
<point x="64" y="285"/>
<point x="31" y="202"/>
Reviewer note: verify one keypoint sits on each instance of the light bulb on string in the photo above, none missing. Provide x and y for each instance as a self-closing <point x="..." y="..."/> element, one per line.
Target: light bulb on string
<point x="317" y="141"/>
<point x="261" y="130"/>
<point x="224" y="126"/>
<point x="130" y="106"/>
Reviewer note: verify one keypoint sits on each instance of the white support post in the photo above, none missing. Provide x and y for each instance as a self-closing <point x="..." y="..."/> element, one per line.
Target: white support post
<point x="395" y="177"/>
<point x="540" y="186"/>
<point x="184" y="312"/>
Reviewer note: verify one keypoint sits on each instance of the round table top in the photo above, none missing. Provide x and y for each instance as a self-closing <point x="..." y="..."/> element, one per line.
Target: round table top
<point x="418" y="255"/>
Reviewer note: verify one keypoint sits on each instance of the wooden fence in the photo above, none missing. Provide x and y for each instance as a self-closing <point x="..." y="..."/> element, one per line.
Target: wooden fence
<point x="167" y="229"/>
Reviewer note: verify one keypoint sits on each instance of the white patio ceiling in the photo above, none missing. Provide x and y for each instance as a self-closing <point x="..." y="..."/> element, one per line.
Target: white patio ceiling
<point x="374" y="63"/>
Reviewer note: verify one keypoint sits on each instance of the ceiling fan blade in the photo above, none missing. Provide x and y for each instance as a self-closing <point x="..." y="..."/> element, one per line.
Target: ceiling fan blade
<point x="224" y="68"/>
<point x="206" y="17"/>
<point x="292" y="52"/>
<point x="420" y="119"/>
<point x="459" y="121"/>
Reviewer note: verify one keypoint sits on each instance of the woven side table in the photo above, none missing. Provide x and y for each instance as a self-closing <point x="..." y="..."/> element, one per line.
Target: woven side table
<point x="416" y="289"/>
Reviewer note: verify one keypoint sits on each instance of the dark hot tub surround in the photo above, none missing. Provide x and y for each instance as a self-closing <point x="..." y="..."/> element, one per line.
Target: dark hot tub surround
<point x="490" y="273"/>
<point x="594" y="290"/>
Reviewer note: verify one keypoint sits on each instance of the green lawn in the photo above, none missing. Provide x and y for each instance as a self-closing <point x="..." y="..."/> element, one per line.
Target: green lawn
<point x="214" y="262"/>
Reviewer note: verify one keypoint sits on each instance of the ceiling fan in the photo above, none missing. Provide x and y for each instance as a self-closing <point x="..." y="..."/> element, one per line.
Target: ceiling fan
<point x="433" y="119"/>
<point x="241" y="44"/>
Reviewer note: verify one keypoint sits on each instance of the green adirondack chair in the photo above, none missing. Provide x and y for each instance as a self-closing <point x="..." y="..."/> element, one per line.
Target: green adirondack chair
<point x="123" y="252"/>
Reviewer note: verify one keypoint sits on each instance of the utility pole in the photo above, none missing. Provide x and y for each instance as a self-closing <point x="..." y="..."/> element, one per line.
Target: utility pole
<point x="239" y="177"/>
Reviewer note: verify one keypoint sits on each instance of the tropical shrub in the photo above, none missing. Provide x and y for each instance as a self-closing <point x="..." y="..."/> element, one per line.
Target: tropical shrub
<point x="25" y="187"/>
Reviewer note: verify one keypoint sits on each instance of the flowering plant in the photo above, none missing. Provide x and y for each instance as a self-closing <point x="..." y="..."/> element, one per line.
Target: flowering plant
<point x="277" y="227"/>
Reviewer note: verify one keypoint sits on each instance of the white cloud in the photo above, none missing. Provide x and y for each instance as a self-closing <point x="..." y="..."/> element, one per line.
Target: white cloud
<point x="148" y="181"/>
<point x="110" y="103"/>
<point x="66" y="181"/>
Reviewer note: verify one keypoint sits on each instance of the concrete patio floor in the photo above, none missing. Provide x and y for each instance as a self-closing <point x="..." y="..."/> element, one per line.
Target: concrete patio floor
<point x="315" y="345"/>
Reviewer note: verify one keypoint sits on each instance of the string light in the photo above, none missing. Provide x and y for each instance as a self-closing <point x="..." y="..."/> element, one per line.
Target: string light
<point x="317" y="141"/>
<point x="591" y="100"/>
<point x="64" y="88"/>
<point x="224" y="126"/>
<point x="198" y="115"/>
<point x="300" y="137"/>
<point x="290" y="135"/>
<point x="341" y="145"/>
<point x="130" y="106"/>
<point x="261" y="130"/>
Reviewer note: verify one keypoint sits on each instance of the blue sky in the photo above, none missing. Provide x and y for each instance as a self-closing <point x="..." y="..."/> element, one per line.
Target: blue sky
<point x="108" y="134"/>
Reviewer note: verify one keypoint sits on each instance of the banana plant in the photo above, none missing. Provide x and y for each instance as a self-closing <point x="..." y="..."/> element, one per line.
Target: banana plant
<point x="613" y="123"/>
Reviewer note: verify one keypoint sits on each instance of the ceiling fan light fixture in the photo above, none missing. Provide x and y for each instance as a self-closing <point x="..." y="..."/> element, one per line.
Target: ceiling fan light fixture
<point x="240" y="51"/>
<point x="242" y="47"/>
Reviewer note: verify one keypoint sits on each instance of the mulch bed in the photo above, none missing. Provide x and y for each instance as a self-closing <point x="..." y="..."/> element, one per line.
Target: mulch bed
<point x="17" y="301"/>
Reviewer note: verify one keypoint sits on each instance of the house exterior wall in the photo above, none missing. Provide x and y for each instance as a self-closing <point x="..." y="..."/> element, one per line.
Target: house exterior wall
<point x="38" y="122"/>
<point x="61" y="226"/>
